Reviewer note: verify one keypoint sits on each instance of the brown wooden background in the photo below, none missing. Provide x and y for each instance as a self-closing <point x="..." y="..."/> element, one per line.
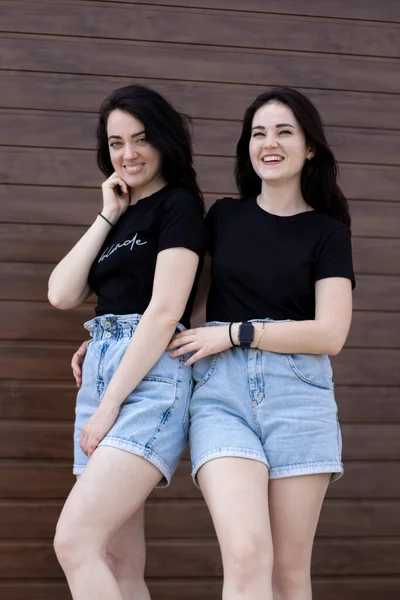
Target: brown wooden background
<point x="59" y="59"/>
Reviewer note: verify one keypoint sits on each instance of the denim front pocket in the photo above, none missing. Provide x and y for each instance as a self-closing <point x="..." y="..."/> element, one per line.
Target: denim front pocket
<point x="314" y="369"/>
<point x="203" y="369"/>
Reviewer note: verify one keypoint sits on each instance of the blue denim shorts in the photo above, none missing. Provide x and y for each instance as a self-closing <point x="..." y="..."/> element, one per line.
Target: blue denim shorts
<point x="278" y="409"/>
<point x="154" y="419"/>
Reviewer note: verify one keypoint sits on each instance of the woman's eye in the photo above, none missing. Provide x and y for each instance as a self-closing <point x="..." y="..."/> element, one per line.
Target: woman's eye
<point x="257" y="134"/>
<point x="115" y="144"/>
<point x="141" y="140"/>
<point x="285" y="131"/>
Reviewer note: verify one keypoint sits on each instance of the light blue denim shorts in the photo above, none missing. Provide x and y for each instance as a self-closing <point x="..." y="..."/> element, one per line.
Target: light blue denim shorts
<point x="278" y="409"/>
<point x="154" y="420"/>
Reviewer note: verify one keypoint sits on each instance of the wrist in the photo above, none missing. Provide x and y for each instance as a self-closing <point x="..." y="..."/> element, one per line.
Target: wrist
<point x="110" y="215"/>
<point x="109" y="406"/>
<point x="235" y="333"/>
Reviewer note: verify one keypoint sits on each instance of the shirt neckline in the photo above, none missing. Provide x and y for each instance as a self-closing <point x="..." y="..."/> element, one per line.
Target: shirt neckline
<point x="282" y="217"/>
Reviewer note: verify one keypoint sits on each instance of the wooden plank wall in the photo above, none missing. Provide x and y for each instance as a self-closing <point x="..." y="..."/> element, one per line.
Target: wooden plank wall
<point x="211" y="58"/>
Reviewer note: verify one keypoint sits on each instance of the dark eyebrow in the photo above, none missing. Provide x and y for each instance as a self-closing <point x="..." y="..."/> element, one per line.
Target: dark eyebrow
<point x="118" y="137"/>
<point x="279" y="125"/>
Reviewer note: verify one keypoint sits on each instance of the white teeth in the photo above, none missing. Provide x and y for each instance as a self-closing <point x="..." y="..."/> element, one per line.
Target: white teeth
<point x="133" y="169"/>
<point x="272" y="159"/>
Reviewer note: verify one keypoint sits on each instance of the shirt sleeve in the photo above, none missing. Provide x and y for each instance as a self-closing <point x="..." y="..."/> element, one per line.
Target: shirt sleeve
<point x="182" y="223"/>
<point x="335" y="258"/>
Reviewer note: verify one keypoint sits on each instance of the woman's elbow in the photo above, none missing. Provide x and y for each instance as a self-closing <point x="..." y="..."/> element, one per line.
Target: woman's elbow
<point x="335" y="345"/>
<point x="57" y="300"/>
<point x="60" y="301"/>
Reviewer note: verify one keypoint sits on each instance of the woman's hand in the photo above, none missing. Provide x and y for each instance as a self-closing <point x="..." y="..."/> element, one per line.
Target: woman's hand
<point x="202" y="341"/>
<point x="97" y="427"/>
<point x="77" y="362"/>
<point x="115" y="204"/>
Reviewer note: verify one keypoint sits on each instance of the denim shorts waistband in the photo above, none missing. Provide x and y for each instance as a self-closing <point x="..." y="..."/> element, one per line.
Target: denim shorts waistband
<point x="112" y="326"/>
<point x="266" y="320"/>
<point x="115" y="326"/>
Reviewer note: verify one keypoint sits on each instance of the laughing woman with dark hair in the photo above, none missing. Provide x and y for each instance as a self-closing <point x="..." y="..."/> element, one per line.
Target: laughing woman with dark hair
<point x="265" y="439"/>
<point x="141" y="258"/>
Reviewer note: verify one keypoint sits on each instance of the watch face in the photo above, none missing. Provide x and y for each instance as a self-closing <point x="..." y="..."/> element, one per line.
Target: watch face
<point x="246" y="333"/>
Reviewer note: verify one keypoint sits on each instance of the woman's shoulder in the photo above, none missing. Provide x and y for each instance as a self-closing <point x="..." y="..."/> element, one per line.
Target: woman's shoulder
<point x="329" y="225"/>
<point x="181" y="199"/>
<point x="227" y="203"/>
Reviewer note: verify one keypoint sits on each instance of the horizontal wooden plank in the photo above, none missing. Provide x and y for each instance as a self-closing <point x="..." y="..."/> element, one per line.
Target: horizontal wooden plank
<point x="199" y="63"/>
<point x="40" y="321"/>
<point x="202" y="558"/>
<point x="24" y="281"/>
<point x="57" y="91"/>
<point x="366" y="9"/>
<point x="45" y="440"/>
<point x="366" y="367"/>
<point x="377" y="293"/>
<point x="191" y="520"/>
<point x="50" y="243"/>
<point x="35" y="479"/>
<point x="38" y="400"/>
<point x="368" y="404"/>
<point x="37" y="243"/>
<point x="369" y="256"/>
<point x="345" y="588"/>
<point x="77" y="130"/>
<point x="77" y="168"/>
<point x="22" y="479"/>
<point x="37" y="440"/>
<point x="373" y="330"/>
<point x="50" y="400"/>
<point x="51" y="361"/>
<point x="194" y="26"/>
<point x="378" y="219"/>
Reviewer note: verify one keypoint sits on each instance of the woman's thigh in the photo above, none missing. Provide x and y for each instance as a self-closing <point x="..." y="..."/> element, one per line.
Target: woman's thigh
<point x="236" y="493"/>
<point x="110" y="491"/>
<point x="295" y="505"/>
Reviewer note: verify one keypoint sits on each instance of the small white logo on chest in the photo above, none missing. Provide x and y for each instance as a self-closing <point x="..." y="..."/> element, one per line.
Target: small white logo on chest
<point x="132" y="243"/>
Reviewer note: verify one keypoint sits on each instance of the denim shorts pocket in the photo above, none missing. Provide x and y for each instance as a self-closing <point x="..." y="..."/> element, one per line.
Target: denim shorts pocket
<point x="314" y="369"/>
<point x="203" y="369"/>
<point x="165" y="370"/>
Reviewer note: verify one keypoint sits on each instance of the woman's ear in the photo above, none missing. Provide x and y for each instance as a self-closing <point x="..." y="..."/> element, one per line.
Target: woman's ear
<point x="311" y="152"/>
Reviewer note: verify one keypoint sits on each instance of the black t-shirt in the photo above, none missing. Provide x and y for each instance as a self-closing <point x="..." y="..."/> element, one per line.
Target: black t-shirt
<point x="123" y="272"/>
<point x="264" y="265"/>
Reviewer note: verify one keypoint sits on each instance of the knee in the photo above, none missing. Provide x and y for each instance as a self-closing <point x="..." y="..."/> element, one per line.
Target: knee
<point x="248" y="560"/>
<point x="290" y="573"/>
<point x="123" y="559"/>
<point x="68" y="546"/>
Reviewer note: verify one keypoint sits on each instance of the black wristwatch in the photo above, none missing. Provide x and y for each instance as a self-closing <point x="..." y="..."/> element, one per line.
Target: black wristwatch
<point x="246" y="334"/>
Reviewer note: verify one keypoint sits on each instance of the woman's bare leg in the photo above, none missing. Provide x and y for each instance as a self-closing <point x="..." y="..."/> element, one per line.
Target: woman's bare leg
<point x="295" y="505"/>
<point x="111" y="490"/>
<point x="236" y="492"/>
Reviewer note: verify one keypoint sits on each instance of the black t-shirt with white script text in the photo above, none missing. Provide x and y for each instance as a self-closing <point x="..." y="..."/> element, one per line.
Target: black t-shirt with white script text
<point x="266" y="266"/>
<point x="123" y="272"/>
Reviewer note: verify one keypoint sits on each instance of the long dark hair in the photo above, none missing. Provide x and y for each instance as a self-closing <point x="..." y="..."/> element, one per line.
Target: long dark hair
<point x="166" y="129"/>
<point x="319" y="175"/>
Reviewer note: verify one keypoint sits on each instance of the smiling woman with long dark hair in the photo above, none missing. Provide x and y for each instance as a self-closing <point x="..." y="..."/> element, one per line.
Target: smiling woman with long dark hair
<point x="141" y="257"/>
<point x="264" y="434"/>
